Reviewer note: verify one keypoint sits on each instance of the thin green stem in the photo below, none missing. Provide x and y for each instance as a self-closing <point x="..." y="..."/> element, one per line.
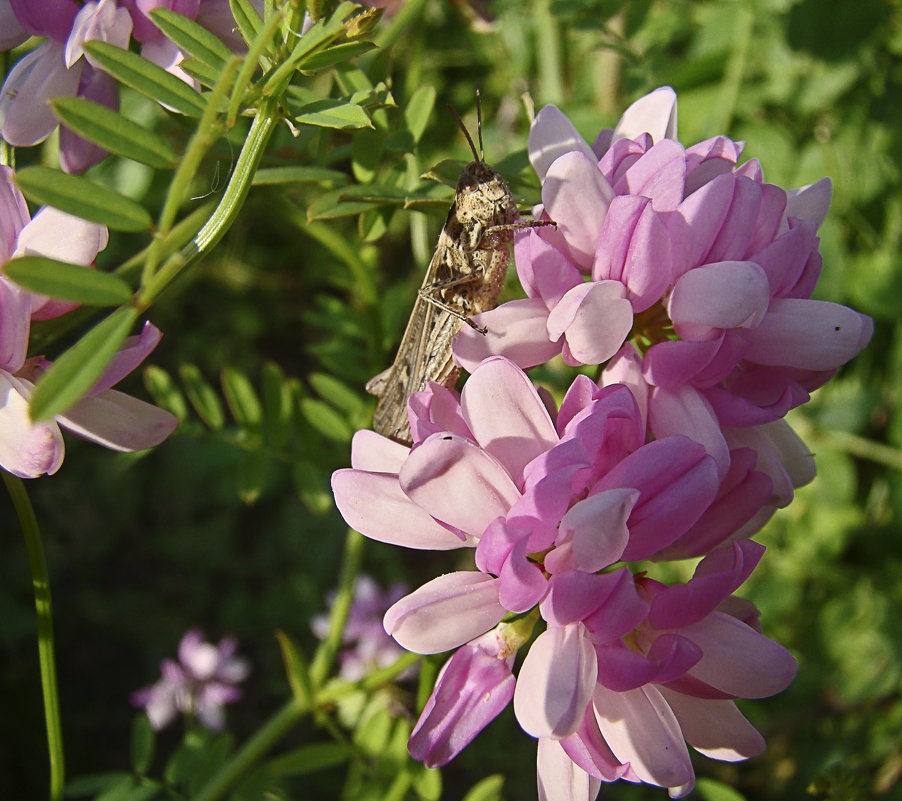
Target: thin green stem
<point x="328" y="649"/>
<point x="41" y="583"/>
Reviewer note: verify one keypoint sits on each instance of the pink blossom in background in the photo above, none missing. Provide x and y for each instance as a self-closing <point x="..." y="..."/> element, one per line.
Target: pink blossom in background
<point x="105" y="415"/>
<point x="203" y="680"/>
<point x="368" y="647"/>
<point x="554" y="504"/>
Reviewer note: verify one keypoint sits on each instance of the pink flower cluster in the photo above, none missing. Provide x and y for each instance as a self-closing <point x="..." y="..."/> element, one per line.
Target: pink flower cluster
<point x="106" y="416"/>
<point x="689" y="278"/>
<point x="60" y="67"/>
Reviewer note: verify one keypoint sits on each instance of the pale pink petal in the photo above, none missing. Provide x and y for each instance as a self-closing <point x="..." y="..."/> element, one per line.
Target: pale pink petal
<point x="374" y="505"/>
<point x="166" y="54"/>
<point x="515" y="329"/>
<point x="598" y="527"/>
<point x="641" y="729"/>
<point x="458" y="483"/>
<point x="377" y="454"/>
<point x="104" y="22"/>
<point x="13" y="213"/>
<point x="738" y="660"/>
<point x="555" y="682"/>
<point x="550" y="136"/>
<point x="26" y="116"/>
<point x="576" y="197"/>
<point x="715" y="728"/>
<point x="12" y="34"/>
<point x="595" y="318"/>
<point x="118" y="421"/>
<point x="727" y="294"/>
<point x="811" y="202"/>
<point x="26" y="450"/>
<point x="57" y="235"/>
<point x="685" y="411"/>
<point x="506" y="415"/>
<point x="558" y="778"/>
<point x="809" y="334"/>
<point x="658" y="174"/>
<point x="15" y="313"/>
<point x="625" y="367"/>
<point x="446" y="612"/>
<point x="654" y="113"/>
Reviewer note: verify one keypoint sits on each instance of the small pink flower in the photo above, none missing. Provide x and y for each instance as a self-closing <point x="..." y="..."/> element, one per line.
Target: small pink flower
<point x="199" y="685"/>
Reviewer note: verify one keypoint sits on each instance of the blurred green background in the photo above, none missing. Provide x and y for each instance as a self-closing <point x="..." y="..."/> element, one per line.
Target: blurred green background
<point x="229" y="525"/>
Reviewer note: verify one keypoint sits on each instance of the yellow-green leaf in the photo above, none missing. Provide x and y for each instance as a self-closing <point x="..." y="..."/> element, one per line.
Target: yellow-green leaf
<point x="64" y="281"/>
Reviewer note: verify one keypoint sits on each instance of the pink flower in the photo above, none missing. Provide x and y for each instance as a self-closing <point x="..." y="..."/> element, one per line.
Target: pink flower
<point x="554" y="504"/>
<point x="199" y="685"/>
<point x="106" y="416"/>
<point x="691" y="258"/>
<point x="59" y="68"/>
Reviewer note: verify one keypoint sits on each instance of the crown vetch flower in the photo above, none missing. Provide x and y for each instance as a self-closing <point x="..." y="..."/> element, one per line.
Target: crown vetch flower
<point x="554" y="503"/>
<point x="105" y="416"/>
<point x="203" y="680"/>
<point x="690" y="256"/>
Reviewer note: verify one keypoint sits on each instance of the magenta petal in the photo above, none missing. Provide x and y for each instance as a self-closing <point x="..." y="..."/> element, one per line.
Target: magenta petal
<point x="27" y="450"/>
<point x="555" y="682"/>
<point x="446" y="612"/>
<point x="118" y="421"/>
<point x="516" y="330"/>
<point x="458" y="483"/>
<point x="134" y="350"/>
<point x="471" y="690"/>
<point x="543" y="269"/>
<point x="508" y="419"/>
<point x="658" y="174"/>
<point x="595" y="318"/>
<point x="13" y="212"/>
<point x="809" y="334"/>
<point x="715" y="728"/>
<point x="552" y="135"/>
<point x="654" y="113"/>
<point x="642" y="730"/>
<point x="374" y="505"/>
<point x="558" y="778"/>
<point x="737" y="659"/>
<point x="727" y="294"/>
<point x="576" y="196"/>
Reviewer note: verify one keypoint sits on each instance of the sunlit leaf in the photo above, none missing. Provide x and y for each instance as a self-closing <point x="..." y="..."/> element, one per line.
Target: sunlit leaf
<point x="146" y="77"/>
<point x="299" y="174"/>
<point x="247" y="18"/>
<point x="78" y="369"/>
<point x="241" y="398"/>
<point x="296" y="669"/>
<point x="326" y="420"/>
<point x="83" y="198"/>
<point x="336" y="54"/>
<point x="165" y="392"/>
<point x="72" y="282"/>
<point x="419" y="110"/>
<point x="113" y="132"/>
<point x="191" y="38"/>
<point x="332" y="113"/>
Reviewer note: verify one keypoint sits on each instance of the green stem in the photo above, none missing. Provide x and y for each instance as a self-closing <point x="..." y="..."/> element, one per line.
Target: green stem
<point x="328" y="649"/>
<point x="41" y="583"/>
<point x="254" y="750"/>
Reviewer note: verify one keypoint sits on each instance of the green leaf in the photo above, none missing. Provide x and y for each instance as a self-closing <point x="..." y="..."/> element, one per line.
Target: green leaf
<point x="82" y="198"/>
<point x="313" y="490"/>
<point x="94" y="783"/>
<point x="299" y="174"/>
<point x="247" y="18"/>
<point x="200" y="71"/>
<point x="131" y="789"/>
<point x="64" y="281"/>
<point x="418" y="111"/>
<point x="337" y="393"/>
<point x="78" y="369"/>
<point x="192" y="38"/>
<point x="142" y="744"/>
<point x="309" y="759"/>
<point x="113" y="132"/>
<point x="326" y="420"/>
<point x="335" y="54"/>
<point x="296" y="669"/>
<point x="241" y="399"/>
<point x="488" y="789"/>
<point x="165" y="393"/>
<point x="147" y="78"/>
<point x="252" y="475"/>
<point x="332" y="113"/>
<point x="202" y="396"/>
<point x="277" y="405"/>
<point x="713" y="790"/>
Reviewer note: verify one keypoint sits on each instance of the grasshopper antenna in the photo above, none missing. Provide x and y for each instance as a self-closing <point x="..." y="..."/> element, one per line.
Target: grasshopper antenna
<point x="460" y="124"/>
<point x="479" y="124"/>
